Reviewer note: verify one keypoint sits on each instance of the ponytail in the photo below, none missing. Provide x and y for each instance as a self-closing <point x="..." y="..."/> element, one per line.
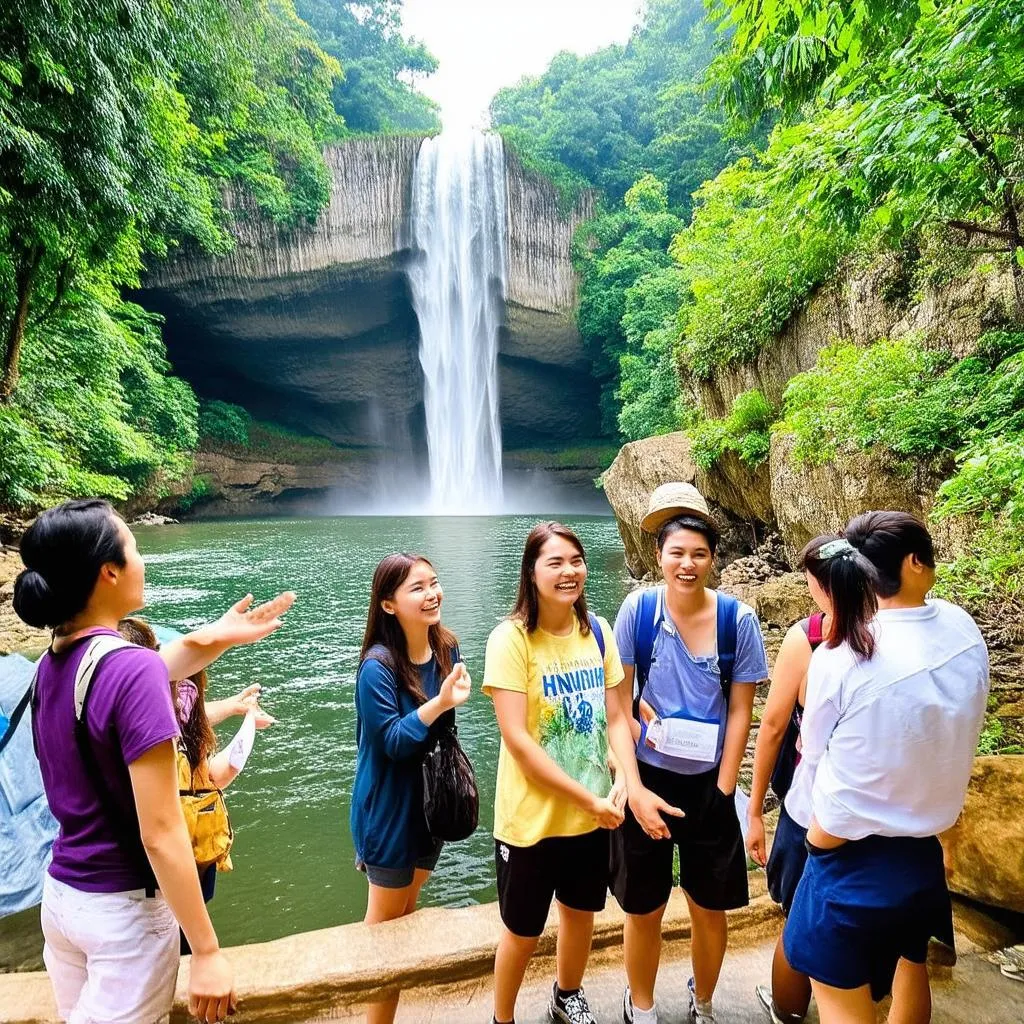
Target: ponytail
<point x="850" y="581"/>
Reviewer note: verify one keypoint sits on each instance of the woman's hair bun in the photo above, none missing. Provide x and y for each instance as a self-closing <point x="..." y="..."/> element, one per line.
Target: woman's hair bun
<point x="34" y="600"/>
<point x="63" y="551"/>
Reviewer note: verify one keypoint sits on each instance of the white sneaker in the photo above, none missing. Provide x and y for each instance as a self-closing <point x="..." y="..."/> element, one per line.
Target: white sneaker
<point x="698" y="1015"/>
<point x="629" y="1012"/>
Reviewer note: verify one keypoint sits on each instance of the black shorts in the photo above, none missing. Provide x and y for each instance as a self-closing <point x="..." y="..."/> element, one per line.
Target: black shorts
<point x="712" y="858"/>
<point x="573" y="869"/>
<point x="786" y="861"/>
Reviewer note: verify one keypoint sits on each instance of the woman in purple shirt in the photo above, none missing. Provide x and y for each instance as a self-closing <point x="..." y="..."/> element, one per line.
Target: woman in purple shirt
<point x="122" y="875"/>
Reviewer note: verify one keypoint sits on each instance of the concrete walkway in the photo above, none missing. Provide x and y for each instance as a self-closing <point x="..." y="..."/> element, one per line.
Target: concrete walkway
<point x="971" y="993"/>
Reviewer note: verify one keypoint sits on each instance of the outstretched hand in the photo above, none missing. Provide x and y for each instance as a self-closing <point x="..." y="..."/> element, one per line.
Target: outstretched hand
<point x="243" y="624"/>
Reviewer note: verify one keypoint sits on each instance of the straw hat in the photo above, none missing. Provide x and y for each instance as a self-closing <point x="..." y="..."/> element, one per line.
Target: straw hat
<point x="675" y="499"/>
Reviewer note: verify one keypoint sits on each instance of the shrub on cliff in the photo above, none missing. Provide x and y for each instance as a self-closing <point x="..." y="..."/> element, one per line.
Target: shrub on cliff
<point x="745" y="431"/>
<point x="225" y="423"/>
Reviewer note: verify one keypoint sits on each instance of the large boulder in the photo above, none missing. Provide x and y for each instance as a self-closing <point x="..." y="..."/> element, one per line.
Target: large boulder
<point x="745" y="492"/>
<point x="985" y="848"/>
<point x="628" y="482"/>
<point x="809" y="500"/>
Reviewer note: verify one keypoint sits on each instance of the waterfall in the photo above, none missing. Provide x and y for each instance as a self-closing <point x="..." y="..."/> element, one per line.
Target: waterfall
<point x="457" y="279"/>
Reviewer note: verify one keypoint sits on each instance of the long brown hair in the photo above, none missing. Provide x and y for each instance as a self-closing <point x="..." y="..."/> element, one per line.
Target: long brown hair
<point x="385" y="630"/>
<point x="197" y="741"/>
<point x="527" y="606"/>
<point x="850" y="580"/>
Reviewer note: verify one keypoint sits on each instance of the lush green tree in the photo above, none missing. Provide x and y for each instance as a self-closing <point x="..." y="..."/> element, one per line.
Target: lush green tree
<point x="616" y="251"/>
<point x="919" y="119"/>
<point x="123" y="127"/>
<point x="626" y="110"/>
<point x="377" y="92"/>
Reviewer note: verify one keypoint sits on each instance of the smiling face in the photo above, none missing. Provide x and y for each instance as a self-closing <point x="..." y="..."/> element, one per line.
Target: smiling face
<point x="416" y="603"/>
<point x="559" y="572"/>
<point x="686" y="561"/>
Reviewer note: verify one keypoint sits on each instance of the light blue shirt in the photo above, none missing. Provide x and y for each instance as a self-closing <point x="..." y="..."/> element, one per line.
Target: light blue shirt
<point x="684" y="685"/>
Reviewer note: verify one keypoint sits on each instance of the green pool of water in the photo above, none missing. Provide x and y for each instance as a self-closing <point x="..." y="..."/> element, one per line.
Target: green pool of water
<point x="293" y="853"/>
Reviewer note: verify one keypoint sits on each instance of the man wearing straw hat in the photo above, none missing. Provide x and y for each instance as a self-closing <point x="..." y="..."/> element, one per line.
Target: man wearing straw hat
<point x="692" y="658"/>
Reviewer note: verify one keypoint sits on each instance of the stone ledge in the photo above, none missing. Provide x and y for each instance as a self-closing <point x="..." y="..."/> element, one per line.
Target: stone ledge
<point x="307" y="974"/>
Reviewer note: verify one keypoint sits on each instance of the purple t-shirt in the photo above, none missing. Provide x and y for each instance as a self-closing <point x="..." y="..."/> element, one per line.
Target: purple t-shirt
<point x="129" y="712"/>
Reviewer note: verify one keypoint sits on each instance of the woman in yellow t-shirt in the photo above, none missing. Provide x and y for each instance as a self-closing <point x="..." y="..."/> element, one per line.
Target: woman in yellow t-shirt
<point x="547" y="669"/>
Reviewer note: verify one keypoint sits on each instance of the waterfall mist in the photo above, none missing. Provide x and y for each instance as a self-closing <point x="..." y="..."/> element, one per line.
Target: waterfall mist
<point x="458" y="279"/>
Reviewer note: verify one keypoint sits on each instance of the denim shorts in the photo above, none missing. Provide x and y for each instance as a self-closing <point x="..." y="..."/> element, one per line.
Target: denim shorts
<point x="400" y="878"/>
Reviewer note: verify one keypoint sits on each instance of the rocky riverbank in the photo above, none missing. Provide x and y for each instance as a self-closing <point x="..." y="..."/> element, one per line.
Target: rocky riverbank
<point x="14" y="634"/>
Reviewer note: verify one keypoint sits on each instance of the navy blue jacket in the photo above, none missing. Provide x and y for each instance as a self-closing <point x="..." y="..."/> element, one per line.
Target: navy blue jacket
<point x="387" y="822"/>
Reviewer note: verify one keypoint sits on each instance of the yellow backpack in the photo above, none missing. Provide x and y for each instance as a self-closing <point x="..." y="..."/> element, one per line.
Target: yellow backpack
<point x="206" y="816"/>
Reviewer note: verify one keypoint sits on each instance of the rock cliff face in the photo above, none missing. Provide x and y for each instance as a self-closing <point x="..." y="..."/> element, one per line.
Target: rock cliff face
<point x="315" y="327"/>
<point x="861" y="308"/>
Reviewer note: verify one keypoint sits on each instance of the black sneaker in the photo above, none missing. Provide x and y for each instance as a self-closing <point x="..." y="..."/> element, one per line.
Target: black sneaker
<point x="570" y="1009"/>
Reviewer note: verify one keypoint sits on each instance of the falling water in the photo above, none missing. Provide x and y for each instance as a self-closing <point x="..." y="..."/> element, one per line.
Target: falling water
<point x="458" y="291"/>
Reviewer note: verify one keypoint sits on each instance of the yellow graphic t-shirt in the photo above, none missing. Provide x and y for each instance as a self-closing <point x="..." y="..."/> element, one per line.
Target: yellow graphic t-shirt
<point x="564" y="681"/>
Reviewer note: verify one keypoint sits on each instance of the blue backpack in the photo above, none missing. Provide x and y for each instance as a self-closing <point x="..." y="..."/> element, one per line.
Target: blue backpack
<point x="595" y="628"/>
<point x="650" y="614"/>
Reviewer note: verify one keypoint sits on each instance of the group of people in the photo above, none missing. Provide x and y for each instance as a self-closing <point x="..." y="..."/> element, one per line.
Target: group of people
<point x="619" y="746"/>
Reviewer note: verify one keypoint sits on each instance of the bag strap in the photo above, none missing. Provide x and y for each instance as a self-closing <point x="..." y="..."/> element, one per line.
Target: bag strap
<point x="595" y="628"/>
<point x="18" y="713"/>
<point x="726" y="615"/>
<point x="650" y="612"/>
<point x="126" y="828"/>
<point x="815" y="630"/>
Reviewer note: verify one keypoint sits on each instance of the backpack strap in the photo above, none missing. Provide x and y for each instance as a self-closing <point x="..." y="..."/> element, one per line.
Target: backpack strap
<point x="595" y="628"/>
<point x="18" y="712"/>
<point x="725" y="622"/>
<point x="650" y="611"/>
<point x="125" y="826"/>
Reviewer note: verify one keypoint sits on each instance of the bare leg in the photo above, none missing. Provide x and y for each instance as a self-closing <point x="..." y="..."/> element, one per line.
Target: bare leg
<point x="710" y="934"/>
<point x="641" y="944"/>
<point x="911" y="995"/>
<point x="419" y="878"/>
<point x="388" y="905"/>
<point x="510" y="962"/>
<point x="844" y="1005"/>
<point x="575" y="931"/>
<point x="791" y="990"/>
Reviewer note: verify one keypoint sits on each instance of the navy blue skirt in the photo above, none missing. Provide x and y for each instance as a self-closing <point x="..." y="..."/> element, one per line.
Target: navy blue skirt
<point x="786" y="861"/>
<point x="861" y="907"/>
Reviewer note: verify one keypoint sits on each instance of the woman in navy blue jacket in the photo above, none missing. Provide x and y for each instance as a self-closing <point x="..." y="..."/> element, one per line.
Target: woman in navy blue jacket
<point x="409" y="683"/>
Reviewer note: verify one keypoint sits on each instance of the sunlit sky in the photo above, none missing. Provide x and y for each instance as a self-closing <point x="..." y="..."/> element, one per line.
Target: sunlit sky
<point x="483" y="45"/>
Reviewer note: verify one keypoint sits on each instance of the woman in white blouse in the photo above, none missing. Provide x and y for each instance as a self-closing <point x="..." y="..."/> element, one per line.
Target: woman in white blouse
<point x="890" y="741"/>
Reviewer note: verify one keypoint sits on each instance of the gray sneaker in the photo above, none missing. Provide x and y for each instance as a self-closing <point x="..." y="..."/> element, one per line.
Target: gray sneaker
<point x="572" y="1009"/>
<point x="767" y="1004"/>
<point x="696" y="1016"/>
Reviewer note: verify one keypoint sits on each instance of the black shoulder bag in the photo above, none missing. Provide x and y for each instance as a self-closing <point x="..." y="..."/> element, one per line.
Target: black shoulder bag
<point x="451" y="803"/>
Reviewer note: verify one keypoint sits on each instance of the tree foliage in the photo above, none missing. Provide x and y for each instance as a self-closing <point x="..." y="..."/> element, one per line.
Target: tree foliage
<point x="624" y="111"/>
<point x="122" y="128"/>
<point x="377" y="92"/>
